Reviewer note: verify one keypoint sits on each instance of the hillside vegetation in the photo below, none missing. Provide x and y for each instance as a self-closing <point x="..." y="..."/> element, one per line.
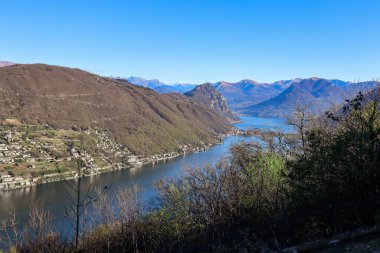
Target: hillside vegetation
<point x="144" y="121"/>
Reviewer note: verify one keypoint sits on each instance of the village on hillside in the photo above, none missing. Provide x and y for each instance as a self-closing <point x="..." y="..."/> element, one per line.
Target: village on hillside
<point x="32" y="155"/>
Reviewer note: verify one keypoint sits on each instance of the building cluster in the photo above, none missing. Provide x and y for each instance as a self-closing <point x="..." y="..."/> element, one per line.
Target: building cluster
<point x="10" y="148"/>
<point x="21" y="148"/>
<point x="36" y="155"/>
<point x="105" y="143"/>
<point x="14" y="149"/>
<point x="189" y="148"/>
<point x="9" y="181"/>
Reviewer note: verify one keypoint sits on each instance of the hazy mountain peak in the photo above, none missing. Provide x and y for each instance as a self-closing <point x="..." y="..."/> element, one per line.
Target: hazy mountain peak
<point x="159" y="86"/>
<point x="153" y="83"/>
<point x="6" y="63"/>
<point x="248" y="81"/>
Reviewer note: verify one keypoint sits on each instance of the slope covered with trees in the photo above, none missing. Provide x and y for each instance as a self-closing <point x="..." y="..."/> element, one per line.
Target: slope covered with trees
<point x="140" y="119"/>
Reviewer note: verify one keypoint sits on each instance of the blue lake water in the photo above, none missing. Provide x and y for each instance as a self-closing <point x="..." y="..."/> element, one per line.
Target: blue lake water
<point x="53" y="194"/>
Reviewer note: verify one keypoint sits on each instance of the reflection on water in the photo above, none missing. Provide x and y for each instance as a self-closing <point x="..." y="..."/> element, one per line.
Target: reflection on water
<point x="53" y="194"/>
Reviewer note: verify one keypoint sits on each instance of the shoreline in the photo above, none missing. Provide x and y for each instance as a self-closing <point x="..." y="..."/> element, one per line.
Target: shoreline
<point x="134" y="164"/>
<point x="57" y="177"/>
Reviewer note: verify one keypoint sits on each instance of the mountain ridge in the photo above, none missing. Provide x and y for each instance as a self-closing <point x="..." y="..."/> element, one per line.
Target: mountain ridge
<point x="317" y="93"/>
<point x="250" y="97"/>
<point x="143" y="120"/>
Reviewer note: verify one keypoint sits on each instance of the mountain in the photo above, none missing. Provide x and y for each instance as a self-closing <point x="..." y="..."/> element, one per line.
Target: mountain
<point x="247" y="92"/>
<point x="177" y="88"/>
<point x="208" y="95"/>
<point x="6" y="63"/>
<point x="315" y="92"/>
<point x="139" y="118"/>
<point x="152" y="84"/>
<point x="354" y="88"/>
<point x="160" y="87"/>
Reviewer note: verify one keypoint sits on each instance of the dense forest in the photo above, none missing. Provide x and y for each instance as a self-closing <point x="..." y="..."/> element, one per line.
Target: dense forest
<point x="270" y="194"/>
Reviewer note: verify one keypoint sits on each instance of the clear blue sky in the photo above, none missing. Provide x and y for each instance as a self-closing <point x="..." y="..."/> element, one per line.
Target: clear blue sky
<point x="197" y="40"/>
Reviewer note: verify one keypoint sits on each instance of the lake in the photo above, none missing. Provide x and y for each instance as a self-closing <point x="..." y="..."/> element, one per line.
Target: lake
<point x="53" y="194"/>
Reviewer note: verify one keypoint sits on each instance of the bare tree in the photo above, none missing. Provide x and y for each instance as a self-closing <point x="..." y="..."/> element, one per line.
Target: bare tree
<point x="79" y="199"/>
<point x="300" y="120"/>
<point x="9" y="230"/>
<point x="131" y="211"/>
<point x="39" y="233"/>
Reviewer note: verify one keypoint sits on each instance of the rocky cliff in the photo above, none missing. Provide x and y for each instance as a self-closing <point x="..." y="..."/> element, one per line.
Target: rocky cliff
<point x="208" y="95"/>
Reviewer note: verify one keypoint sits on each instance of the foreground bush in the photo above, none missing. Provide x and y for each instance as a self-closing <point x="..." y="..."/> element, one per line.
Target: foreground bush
<point x="335" y="184"/>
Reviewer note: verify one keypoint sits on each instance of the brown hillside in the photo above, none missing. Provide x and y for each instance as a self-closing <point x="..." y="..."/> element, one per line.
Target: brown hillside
<point x="143" y="120"/>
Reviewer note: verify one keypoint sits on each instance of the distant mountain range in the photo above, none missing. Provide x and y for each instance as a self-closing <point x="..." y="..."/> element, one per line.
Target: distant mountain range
<point x="317" y="93"/>
<point x="249" y="97"/>
<point x="247" y="92"/>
